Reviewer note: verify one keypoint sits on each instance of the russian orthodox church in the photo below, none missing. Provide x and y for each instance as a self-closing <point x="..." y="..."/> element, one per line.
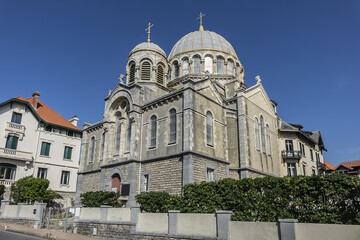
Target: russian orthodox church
<point x="186" y="118"/>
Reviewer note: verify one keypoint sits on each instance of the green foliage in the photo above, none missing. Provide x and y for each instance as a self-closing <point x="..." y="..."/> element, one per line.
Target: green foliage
<point x="29" y="189"/>
<point x="2" y="189"/>
<point x="96" y="199"/>
<point x="317" y="199"/>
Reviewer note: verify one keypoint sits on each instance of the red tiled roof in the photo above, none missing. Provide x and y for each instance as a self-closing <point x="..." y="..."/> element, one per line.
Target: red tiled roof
<point x="350" y="165"/>
<point x="329" y="166"/>
<point x="49" y="115"/>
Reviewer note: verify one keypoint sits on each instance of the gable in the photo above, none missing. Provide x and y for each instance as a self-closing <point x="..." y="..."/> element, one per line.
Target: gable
<point x="208" y="89"/>
<point x="259" y="98"/>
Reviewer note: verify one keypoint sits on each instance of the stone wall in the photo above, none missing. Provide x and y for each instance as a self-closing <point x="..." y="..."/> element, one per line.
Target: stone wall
<point x="201" y="164"/>
<point x="165" y="175"/>
<point x="25" y="222"/>
<point x="90" y="182"/>
<point x="234" y="174"/>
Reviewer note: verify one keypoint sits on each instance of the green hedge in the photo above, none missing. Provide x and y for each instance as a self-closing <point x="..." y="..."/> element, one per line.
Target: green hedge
<point x="96" y="199"/>
<point x="318" y="199"/>
<point x="2" y="189"/>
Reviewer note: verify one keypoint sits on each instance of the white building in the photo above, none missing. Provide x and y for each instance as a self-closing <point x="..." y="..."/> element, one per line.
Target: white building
<point x="36" y="141"/>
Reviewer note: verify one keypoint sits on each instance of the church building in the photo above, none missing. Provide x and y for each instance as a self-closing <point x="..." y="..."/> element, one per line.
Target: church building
<point x="189" y="117"/>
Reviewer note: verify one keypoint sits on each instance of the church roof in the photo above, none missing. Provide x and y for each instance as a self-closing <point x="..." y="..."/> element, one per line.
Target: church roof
<point x="148" y="46"/>
<point x="202" y="40"/>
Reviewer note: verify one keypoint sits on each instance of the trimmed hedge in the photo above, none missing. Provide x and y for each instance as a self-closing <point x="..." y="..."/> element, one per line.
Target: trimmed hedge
<point x="317" y="199"/>
<point x="96" y="199"/>
<point x="2" y="189"/>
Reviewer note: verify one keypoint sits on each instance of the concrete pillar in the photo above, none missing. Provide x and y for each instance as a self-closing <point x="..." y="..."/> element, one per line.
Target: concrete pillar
<point x="134" y="214"/>
<point x="287" y="229"/>
<point x="78" y="188"/>
<point x="3" y="204"/>
<point x="131" y="178"/>
<point x="172" y="221"/>
<point x="222" y="224"/>
<point x="40" y="208"/>
<point x="103" y="212"/>
<point x="102" y="179"/>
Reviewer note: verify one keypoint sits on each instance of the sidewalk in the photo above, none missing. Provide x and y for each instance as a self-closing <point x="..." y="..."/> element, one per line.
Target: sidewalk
<point x="44" y="233"/>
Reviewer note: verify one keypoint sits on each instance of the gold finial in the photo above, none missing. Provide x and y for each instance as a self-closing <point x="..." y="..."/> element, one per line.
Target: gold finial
<point x="200" y="17"/>
<point x="148" y="30"/>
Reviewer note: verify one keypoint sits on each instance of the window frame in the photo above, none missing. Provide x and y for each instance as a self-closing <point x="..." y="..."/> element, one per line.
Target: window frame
<point x="42" y="173"/>
<point x="16" y="117"/>
<point x="45" y="149"/>
<point x="153" y="131"/>
<point x="11" y="144"/>
<point x="268" y="144"/>
<point x="257" y="134"/>
<point x="66" y="153"/>
<point x="293" y="165"/>
<point x="209" y="121"/>
<point x="172" y="126"/>
<point x="262" y="133"/>
<point x="7" y="169"/>
<point x="65" y="178"/>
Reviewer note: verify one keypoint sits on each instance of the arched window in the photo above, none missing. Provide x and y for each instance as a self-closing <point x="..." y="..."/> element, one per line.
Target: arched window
<point x="185" y="67"/>
<point x="92" y="153"/>
<point x="262" y="134"/>
<point x="220" y="65"/>
<point x="128" y="134"/>
<point x="7" y="171"/>
<point x="237" y="70"/>
<point x="103" y="145"/>
<point x="256" y="123"/>
<point x="172" y="136"/>
<point x="268" y="148"/>
<point x="209" y="128"/>
<point x="230" y="67"/>
<point x="145" y="71"/>
<point x="160" y="74"/>
<point x="153" y="126"/>
<point x="115" y="182"/>
<point x="169" y="76"/>
<point x="208" y="64"/>
<point x="118" y="134"/>
<point x="132" y="73"/>
<point x="197" y="65"/>
<point x="176" y="69"/>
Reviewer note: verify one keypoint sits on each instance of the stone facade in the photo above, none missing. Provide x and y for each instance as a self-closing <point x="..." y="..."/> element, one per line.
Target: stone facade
<point x="181" y="119"/>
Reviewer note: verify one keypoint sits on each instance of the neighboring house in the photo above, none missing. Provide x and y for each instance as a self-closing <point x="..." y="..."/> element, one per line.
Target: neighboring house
<point x="186" y="118"/>
<point x="329" y="168"/>
<point x="351" y="168"/>
<point x="301" y="151"/>
<point x="37" y="141"/>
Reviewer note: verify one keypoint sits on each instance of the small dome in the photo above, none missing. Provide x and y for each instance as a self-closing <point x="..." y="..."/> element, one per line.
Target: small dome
<point x="202" y="40"/>
<point x="148" y="46"/>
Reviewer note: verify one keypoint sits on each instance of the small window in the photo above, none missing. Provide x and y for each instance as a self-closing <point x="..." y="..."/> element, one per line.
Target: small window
<point x="92" y="153"/>
<point x="317" y="157"/>
<point x="304" y="170"/>
<point x="220" y="65"/>
<point x="172" y="137"/>
<point x="262" y="130"/>
<point x="16" y="118"/>
<point x="230" y="67"/>
<point x="185" y="67"/>
<point x="160" y="74"/>
<point x="128" y="134"/>
<point x="311" y="155"/>
<point x="313" y="172"/>
<point x="42" y="173"/>
<point x="209" y="128"/>
<point x="49" y="128"/>
<point x="132" y="73"/>
<point x="291" y="169"/>
<point x="197" y="65"/>
<point x="302" y="149"/>
<point x="65" y="177"/>
<point x="67" y="152"/>
<point x="257" y="136"/>
<point x="176" y="69"/>
<point x="289" y="146"/>
<point x="7" y="171"/>
<point x="268" y="146"/>
<point x="208" y="64"/>
<point x="146" y="182"/>
<point x="210" y="175"/>
<point x="11" y="142"/>
<point x="153" y="129"/>
<point x="70" y="133"/>
<point x="145" y="71"/>
<point x="45" y="149"/>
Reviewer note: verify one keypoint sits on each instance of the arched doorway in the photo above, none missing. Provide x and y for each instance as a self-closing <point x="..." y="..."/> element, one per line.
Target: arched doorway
<point x="115" y="182"/>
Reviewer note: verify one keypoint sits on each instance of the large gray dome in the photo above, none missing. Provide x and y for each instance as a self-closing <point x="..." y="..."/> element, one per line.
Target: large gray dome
<point x="148" y="46"/>
<point x="202" y="40"/>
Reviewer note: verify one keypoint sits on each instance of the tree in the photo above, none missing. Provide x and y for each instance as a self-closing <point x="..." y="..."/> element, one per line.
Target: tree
<point x="29" y="189"/>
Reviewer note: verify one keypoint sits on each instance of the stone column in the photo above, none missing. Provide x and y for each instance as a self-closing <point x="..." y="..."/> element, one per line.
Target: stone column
<point x="137" y="73"/>
<point x="40" y="207"/>
<point x="222" y="224"/>
<point x="243" y="133"/>
<point x="102" y="179"/>
<point x="172" y="222"/>
<point x="103" y="212"/>
<point x="131" y="179"/>
<point x="287" y="229"/>
<point x="188" y="170"/>
<point x="3" y="204"/>
<point x="78" y="188"/>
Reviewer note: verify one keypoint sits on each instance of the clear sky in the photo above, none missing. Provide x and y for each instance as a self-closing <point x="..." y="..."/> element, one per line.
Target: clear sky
<point x="306" y="52"/>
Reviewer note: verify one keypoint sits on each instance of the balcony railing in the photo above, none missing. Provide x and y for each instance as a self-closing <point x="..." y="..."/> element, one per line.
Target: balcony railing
<point x="15" y="126"/>
<point x="291" y="154"/>
<point x="16" y="154"/>
<point x="6" y="182"/>
<point x="320" y="165"/>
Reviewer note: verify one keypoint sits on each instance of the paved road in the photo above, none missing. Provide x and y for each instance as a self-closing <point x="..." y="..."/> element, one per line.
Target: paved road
<point x="5" y="235"/>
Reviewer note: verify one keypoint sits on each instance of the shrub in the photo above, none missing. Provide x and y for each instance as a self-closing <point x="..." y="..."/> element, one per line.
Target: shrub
<point x="2" y="189"/>
<point x="317" y="199"/>
<point x="29" y="189"/>
<point x="96" y="199"/>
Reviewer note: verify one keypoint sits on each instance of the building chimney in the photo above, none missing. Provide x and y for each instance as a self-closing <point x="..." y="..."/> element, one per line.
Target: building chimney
<point x="74" y="120"/>
<point x="35" y="100"/>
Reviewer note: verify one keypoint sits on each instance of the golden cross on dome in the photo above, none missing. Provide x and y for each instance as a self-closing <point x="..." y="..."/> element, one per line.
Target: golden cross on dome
<point x="148" y="30"/>
<point x="200" y="17"/>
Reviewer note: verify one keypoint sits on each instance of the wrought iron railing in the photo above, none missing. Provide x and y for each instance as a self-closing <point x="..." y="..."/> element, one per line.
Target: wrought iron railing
<point x="291" y="154"/>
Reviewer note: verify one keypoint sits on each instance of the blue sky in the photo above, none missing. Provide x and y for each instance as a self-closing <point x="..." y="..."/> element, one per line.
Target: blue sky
<point x="306" y="52"/>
